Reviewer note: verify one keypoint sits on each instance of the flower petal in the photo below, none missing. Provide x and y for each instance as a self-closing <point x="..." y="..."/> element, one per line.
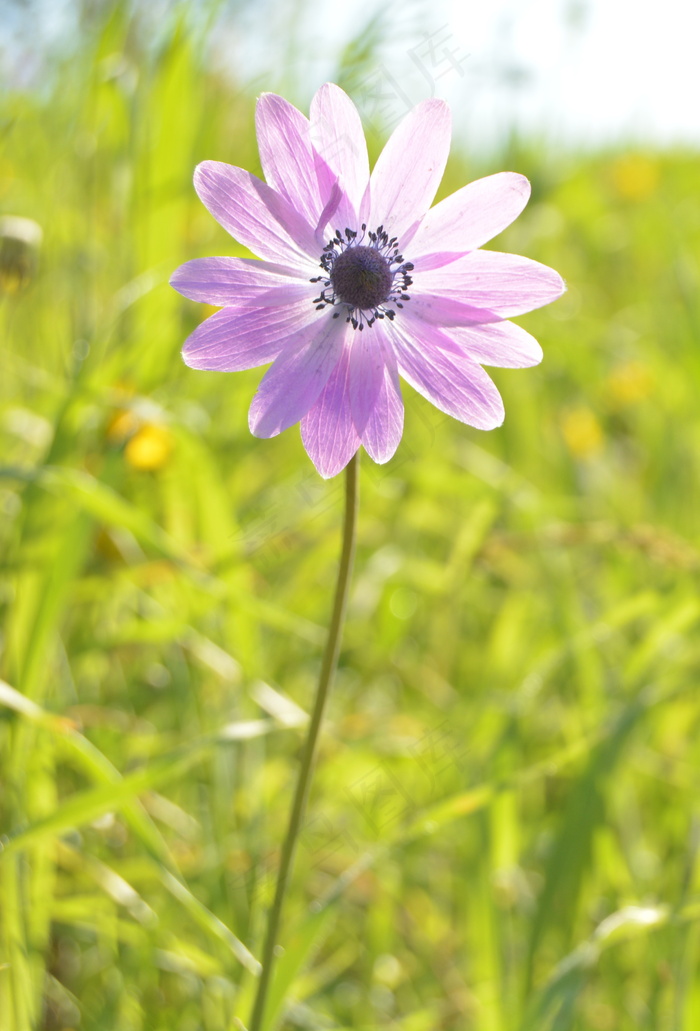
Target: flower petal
<point x="505" y="284"/>
<point x="256" y="215"/>
<point x="337" y="195"/>
<point x="375" y="394"/>
<point x="298" y="375"/>
<point x="452" y="382"/>
<point x="409" y="168"/>
<point x="502" y="344"/>
<point x="336" y="133"/>
<point x="473" y="215"/>
<point x="242" y="338"/>
<point x="239" y="282"/>
<point x="327" y="430"/>
<point x="290" y="163"/>
<point x="445" y="311"/>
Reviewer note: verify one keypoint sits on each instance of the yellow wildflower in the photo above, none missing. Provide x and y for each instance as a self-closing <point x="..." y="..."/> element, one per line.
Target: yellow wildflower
<point x="149" y="448"/>
<point x="629" y="383"/>
<point x="635" y="176"/>
<point x="582" y="432"/>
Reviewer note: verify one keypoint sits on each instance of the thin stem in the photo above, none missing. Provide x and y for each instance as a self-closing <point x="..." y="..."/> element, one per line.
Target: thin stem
<point x="328" y="668"/>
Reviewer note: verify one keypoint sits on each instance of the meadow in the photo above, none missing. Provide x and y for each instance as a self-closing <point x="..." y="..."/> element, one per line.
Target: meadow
<point x="504" y="829"/>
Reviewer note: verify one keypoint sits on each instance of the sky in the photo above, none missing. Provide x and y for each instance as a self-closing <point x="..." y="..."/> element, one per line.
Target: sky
<point x="598" y="70"/>
<point x="577" y="72"/>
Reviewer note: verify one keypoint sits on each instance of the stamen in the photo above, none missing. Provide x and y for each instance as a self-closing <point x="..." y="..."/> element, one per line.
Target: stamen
<point x="364" y="274"/>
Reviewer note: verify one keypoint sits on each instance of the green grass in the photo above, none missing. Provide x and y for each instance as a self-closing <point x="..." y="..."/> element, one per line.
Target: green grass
<point x="504" y="826"/>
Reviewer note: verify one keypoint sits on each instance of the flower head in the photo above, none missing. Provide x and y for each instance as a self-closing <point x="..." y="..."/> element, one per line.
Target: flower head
<point x="361" y="282"/>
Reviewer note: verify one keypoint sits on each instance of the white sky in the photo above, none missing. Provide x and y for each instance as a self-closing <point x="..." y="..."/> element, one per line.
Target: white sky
<point x="578" y="70"/>
<point x="630" y="68"/>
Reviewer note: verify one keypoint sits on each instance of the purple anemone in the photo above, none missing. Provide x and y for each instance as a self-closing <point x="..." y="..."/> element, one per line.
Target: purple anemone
<point x="361" y="282"/>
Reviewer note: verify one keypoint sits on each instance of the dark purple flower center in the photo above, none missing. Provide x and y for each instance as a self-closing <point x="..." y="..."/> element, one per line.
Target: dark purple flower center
<point x="367" y="280"/>
<point x="361" y="277"/>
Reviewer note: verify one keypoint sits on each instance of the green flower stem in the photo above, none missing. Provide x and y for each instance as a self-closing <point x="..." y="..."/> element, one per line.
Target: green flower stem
<point x="328" y="668"/>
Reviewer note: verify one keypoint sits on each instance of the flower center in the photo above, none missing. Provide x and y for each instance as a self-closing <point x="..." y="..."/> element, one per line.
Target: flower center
<point x="361" y="277"/>
<point x="368" y="280"/>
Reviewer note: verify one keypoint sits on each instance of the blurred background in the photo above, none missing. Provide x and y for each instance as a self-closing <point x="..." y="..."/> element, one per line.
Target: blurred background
<point x="504" y="827"/>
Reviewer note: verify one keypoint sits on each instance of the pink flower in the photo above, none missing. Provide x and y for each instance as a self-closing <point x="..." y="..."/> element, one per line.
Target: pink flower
<point x="361" y="282"/>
